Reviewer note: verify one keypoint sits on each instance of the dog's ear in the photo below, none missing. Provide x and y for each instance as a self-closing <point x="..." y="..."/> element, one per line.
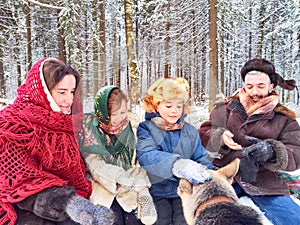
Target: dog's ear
<point x="230" y="170"/>
<point x="184" y="186"/>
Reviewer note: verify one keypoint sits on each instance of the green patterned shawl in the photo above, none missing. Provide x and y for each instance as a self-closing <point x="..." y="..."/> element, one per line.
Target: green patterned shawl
<point x="97" y="141"/>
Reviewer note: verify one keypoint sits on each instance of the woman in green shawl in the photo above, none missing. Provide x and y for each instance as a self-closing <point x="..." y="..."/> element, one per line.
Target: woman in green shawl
<point x="108" y="147"/>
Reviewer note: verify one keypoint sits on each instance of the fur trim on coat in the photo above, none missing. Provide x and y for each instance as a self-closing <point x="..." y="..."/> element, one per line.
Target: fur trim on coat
<point x="281" y="161"/>
<point x="286" y="111"/>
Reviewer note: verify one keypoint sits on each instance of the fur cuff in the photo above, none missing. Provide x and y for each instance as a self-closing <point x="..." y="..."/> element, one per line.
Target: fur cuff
<point x="100" y="195"/>
<point x="281" y="161"/>
<point x="99" y="171"/>
<point x="215" y="143"/>
<point x="127" y="199"/>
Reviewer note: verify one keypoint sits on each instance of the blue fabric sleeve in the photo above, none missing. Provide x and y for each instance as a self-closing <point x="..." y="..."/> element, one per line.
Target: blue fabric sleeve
<point x="200" y="154"/>
<point x="152" y="159"/>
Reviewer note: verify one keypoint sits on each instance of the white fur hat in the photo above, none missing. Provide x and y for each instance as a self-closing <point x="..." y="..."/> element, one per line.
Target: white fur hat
<point x="169" y="88"/>
<point x="166" y="89"/>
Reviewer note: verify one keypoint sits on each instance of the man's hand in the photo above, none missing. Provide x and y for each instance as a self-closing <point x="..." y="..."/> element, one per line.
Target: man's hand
<point x="261" y="151"/>
<point x="227" y="140"/>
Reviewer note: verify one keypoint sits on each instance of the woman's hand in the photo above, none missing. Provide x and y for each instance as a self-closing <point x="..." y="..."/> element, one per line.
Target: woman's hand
<point x="227" y="140"/>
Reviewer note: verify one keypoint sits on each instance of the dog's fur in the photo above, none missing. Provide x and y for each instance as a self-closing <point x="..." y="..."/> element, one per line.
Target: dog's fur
<point x="214" y="202"/>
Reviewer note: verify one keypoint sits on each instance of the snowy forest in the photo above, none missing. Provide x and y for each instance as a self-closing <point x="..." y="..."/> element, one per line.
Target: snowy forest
<point x="131" y="43"/>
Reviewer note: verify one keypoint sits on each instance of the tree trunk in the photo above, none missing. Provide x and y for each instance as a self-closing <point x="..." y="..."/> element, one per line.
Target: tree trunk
<point x="250" y="33"/>
<point x="213" y="54"/>
<point x="61" y="41"/>
<point x="260" y="29"/>
<point x="28" y="29"/>
<point x="272" y="54"/>
<point x="17" y="50"/>
<point x="195" y="45"/>
<point x="103" y="43"/>
<point x="2" y="78"/>
<point x="137" y="38"/>
<point x="95" y="51"/>
<point x="133" y="73"/>
<point x="222" y="65"/>
<point x="88" y="90"/>
<point x="203" y="69"/>
<point x="116" y="62"/>
<point x="167" y="47"/>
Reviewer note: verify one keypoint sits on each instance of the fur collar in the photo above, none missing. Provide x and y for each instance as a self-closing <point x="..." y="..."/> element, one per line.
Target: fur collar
<point x="286" y="111"/>
<point x="279" y="108"/>
<point x="263" y="106"/>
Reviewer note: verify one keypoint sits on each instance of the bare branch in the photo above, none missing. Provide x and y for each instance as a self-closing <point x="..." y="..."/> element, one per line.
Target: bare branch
<point x="44" y="5"/>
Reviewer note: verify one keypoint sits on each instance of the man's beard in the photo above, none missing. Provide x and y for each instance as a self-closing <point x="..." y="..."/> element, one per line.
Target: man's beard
<point x="257" y="98"/>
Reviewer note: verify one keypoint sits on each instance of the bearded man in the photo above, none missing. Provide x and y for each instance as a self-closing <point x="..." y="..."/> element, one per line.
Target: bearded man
<point x="253" y="126"/>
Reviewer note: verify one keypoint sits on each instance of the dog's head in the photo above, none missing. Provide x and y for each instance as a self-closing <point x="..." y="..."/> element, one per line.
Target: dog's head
<point x="194" y="195"/>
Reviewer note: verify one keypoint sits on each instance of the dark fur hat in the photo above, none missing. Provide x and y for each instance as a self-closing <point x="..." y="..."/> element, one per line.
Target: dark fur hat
<point x="267" y="67"/>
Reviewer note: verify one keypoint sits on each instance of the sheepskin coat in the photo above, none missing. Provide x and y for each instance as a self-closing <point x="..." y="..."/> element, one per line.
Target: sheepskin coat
<point x="278" y="127"/>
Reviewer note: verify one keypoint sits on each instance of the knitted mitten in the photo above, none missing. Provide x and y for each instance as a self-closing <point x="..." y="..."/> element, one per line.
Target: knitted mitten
<point x="190" y="170"/>
<point x="51" y="202"/>
<point x="146" y="208"/>
<point x="84" y="212"/>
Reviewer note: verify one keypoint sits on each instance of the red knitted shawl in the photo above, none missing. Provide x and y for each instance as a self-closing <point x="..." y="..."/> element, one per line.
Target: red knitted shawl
<point x="38" y="147"/>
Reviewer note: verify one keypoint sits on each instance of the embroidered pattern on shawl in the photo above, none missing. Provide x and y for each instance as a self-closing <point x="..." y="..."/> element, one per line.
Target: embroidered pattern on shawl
<point x="38" y="148"/>
<point x="114" y="130"/>
<point x="95" y="140"/>
<point x="98" y="134"/>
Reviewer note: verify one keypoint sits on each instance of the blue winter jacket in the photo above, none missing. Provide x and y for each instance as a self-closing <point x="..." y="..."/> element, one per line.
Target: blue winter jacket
<point x="157" y="150"/>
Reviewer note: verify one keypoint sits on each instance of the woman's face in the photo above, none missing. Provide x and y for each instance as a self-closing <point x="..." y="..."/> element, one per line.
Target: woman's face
<point x="118" y="115"/>
<point x="170" y="110"/>
<point x="63" y="93"/>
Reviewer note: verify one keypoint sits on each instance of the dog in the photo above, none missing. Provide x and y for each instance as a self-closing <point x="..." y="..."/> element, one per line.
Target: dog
<point x="215" y="202"/>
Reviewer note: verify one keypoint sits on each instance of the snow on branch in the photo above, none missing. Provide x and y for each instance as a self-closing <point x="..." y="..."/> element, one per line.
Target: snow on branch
<point x="45" y="5"/>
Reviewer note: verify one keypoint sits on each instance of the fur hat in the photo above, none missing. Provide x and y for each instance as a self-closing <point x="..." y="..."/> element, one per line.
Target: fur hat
<point x="166" y="89"/>
<point x="265" y="66"/>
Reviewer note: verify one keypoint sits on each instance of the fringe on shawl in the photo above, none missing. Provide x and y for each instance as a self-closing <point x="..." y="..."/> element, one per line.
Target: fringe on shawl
<point x="7" y="214"/>
<point x="36" y="153"/>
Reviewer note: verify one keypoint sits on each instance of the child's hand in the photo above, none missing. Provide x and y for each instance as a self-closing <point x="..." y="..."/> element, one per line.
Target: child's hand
<point x="123" y="178"/>
<point x="194" y="172"/>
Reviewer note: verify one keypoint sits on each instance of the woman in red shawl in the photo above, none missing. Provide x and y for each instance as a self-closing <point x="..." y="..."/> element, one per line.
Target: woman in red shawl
<point x="41" y="171"/>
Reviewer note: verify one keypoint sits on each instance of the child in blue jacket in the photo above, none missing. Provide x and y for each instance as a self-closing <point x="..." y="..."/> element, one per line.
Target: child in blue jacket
<point x="169" y="148"/>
